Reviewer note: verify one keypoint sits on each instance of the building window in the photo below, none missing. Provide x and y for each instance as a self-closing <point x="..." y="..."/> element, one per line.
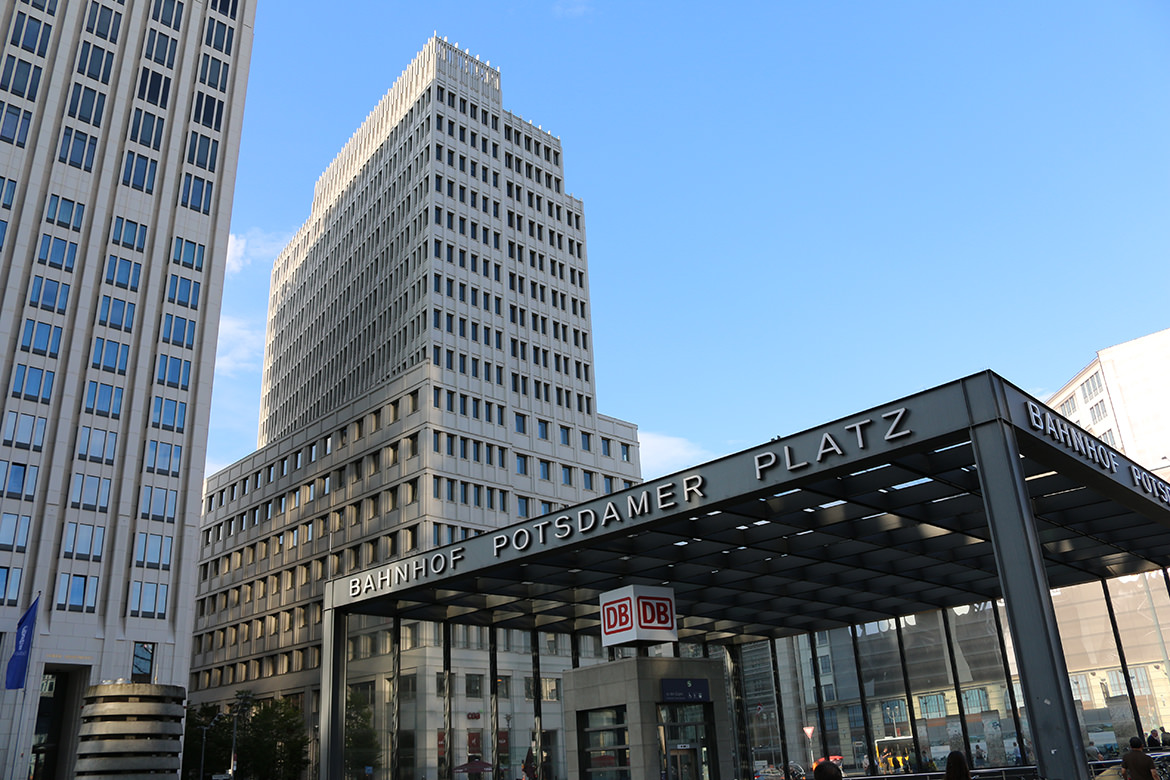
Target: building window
<point x="77" y="149"/>
<point x="142" y="670"/>
<point x="1116" y="683"/>
<point x="1069" y="407"/>
<point x="932" y="706"/>
<point x="1097" y="411"/>
<point x="9" y="585"/>
<point x="139" y="172"/>
<point x="1092" y="386"/>
<point x="550" y="689"/>
<point x="473" y="686"/>
<point x="148" y="599"/>
<point x="77" y="593"/>
<point x="14" y="124"/>
<point x="83" y="542"/>
<point x="13" y="532"/>
<point x="196" y="194"/>
<point x="975" y="700"/>
<point x="21" y="78"/>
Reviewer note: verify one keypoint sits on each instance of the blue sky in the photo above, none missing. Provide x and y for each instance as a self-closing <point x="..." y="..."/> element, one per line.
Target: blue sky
<point x="795" y="210"/>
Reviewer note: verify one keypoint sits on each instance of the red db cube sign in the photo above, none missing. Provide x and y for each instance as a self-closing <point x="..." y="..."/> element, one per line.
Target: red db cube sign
<point x="638" y="613"/>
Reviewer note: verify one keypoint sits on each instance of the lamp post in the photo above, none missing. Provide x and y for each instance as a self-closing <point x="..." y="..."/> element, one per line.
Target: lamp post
<point x="203" y="744"/>
<point x="243" y="701"/>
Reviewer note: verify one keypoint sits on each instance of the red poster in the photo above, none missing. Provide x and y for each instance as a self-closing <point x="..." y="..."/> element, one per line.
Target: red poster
<point x="442" y="743"/>
<point x="475" y="741"/>
<point x="502" y="743"/>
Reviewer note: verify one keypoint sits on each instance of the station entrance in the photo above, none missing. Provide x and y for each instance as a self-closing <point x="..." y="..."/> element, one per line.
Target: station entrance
<point x="920" y="530"/>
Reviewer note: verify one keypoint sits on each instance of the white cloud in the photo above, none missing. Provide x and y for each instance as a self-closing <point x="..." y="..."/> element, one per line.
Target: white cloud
<point x="572" y="9"/>
<point x="665" y="454"/>
<point x="240" y="348"/>
<point x="253" y="244"/>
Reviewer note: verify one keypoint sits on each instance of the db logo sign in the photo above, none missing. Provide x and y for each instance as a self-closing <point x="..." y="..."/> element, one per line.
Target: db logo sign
<point x="638" y="614"/>
<point x="656" y="613"/>
<point x="617" y="616"/>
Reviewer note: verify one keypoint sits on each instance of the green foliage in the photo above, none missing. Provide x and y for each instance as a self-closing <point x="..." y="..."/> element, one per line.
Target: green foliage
<point x="362" y="748"/>
<point x="216" y="754"/>
<point x="273" y="745"/>
<point x="271" y="741"/>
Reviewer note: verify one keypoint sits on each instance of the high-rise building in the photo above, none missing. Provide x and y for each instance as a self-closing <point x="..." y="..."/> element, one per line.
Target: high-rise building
<point x="119" y="129"/>
<point x="428" y="376"/>
<point x="1120" y="397"/>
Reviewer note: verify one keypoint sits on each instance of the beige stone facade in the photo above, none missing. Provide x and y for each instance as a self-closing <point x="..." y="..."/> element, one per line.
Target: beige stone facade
<point x="428" y="376"/>
<point x="119" y="128"/>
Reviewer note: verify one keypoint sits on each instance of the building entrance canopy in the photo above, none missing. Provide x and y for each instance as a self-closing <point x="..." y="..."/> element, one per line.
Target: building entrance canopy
<point x="967" y="492"/>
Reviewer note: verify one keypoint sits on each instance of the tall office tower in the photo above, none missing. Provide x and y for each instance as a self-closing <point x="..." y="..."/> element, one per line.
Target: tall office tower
<point x="428" y="376"/>
<point x="119" y="125"/>
<point x="1120" y="397"/>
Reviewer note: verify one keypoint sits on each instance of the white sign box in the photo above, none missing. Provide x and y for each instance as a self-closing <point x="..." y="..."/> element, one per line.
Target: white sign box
<point x="638" y="613"/>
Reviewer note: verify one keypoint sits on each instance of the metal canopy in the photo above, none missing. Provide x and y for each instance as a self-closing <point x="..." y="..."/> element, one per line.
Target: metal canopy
<point x="871" y="517"/>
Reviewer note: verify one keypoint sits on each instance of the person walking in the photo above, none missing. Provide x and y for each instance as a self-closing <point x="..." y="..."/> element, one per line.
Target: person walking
<point x="1136" y="765"/>
<point x="1153" y="740"/>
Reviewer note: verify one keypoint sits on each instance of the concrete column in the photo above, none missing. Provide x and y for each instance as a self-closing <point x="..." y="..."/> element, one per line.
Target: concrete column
<point x="333" y="630"/>
<point x="1020" y="563"/>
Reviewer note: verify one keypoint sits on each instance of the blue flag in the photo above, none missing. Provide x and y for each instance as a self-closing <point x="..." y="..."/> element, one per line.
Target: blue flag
<point x="18" y="663"/>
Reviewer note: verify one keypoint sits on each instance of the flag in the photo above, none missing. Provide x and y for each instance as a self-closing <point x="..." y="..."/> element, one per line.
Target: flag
<point x="18" y="663"/>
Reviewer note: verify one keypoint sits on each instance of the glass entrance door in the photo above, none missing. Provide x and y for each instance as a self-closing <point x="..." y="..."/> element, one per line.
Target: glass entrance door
<point x="684" y="764"/>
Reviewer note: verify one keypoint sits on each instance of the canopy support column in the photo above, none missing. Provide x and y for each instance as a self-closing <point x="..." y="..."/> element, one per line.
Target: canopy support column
<point x="1019" y="559"/>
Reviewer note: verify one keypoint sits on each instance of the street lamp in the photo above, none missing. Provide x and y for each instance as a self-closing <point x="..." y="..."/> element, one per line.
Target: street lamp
<point x="203" y="745"/>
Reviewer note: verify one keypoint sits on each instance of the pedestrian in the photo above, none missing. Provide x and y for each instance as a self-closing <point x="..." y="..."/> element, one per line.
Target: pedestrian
<point x="1136" y="765"/>
<point x="827" y="770"/>
<point x="1153" y="740"/>
<point x="957" y="768"/>
<point x="1165" y="737"/>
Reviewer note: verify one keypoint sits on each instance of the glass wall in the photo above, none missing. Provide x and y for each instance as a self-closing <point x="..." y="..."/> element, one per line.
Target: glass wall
<point x="886" y="697"/>
<point x="984" y="698"/>
<point x="1141" y="604"/>
<point x="953" y="684"/>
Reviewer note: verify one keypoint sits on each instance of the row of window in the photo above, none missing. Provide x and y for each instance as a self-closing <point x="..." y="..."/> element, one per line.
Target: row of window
<point x="391" y="413"/>
<point x="257" y="668"/>
<point x="470" y="494"/>
<point x="467" y="448"/>
<point x="465" y="367"/>
<point x="532" y="145"/>
<point x="543" y="391"/>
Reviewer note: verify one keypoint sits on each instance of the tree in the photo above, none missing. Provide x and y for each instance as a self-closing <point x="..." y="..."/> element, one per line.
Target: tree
<point x="361" y="740"/>
<point x="273" y="744"/>
<point x="215" y="755"/>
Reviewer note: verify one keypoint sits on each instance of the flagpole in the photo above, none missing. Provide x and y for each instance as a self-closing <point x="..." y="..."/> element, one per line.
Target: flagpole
<point x="18" y="723"/>
<point x="23" y="646"/>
